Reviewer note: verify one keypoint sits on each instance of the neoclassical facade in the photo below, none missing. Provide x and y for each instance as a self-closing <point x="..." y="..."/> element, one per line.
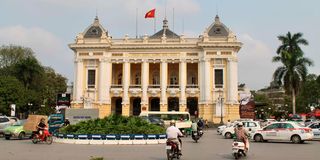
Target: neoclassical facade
<point x="162" y="72"/>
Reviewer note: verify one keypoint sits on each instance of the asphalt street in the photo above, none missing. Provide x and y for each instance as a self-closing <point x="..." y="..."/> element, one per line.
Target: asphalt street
<point x="211" y="146"/>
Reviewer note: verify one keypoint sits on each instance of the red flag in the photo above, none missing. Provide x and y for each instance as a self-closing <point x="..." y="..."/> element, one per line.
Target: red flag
<point x="150" y="14"/>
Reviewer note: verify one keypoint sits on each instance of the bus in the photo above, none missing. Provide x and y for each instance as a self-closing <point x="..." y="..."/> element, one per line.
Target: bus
<point x="182" y="119"/>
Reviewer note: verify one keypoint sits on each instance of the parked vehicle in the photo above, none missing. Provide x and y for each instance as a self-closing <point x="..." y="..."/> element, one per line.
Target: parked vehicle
<point x="307" y="122"/>
<point x="16" y="131"/>
<point x="315" y="126"/>
<point x="283" y="131"/>
<point x="182" y="119"/>
<point x="154" y="120"/>
<point x="250" y="126"/>
<point x="7" y="121"/>
<point x="172" y="150"/>
<point x="45" y="137"/>
<point x="238" y="149"/>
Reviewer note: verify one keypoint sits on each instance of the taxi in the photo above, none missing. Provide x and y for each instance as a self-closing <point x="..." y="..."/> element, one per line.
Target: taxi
<point x="283" y="131"/>
<point x="250" y="126"/>
<point x="315" y="126"/>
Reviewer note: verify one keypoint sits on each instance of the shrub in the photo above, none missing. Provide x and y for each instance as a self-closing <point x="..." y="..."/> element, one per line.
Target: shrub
<point x="114" y="124"/>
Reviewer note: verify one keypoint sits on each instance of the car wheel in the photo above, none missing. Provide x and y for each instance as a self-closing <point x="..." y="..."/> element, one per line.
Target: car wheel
<point x="7" y="137"/>
<point x="228" y="135"/>
<point x="21" y="135"/>
<point x="258" y="138"/>
<point x="296" y="139"/>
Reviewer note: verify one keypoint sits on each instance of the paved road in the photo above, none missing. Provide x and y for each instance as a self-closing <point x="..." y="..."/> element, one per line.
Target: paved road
<point x="211" y="146"/>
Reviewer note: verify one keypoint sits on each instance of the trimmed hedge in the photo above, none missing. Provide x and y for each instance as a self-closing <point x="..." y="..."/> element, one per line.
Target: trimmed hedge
<point x="114" y="124"/>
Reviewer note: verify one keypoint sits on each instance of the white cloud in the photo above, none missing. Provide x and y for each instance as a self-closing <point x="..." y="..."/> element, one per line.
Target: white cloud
<point x="48" y="48"/>
<point x="255" y="61"/>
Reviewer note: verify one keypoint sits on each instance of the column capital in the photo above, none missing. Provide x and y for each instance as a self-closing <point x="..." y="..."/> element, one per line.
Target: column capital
<point x="78" y="60"/>
<point x="164" y="61"/>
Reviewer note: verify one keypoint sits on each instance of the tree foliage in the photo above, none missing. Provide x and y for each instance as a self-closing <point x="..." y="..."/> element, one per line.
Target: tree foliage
<point x="294" y="70"/>
<point x="36" y="85"/>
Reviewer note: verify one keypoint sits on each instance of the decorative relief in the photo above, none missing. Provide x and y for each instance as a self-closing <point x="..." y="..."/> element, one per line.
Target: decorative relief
<point x="83" y="54"/>
<point x="211" y="53"/>
<point x="192" y="54"/>
<point x="116" y="92"/>
<point x="173" y="92"/>
<point x="135" y="92"/>
<point x="154" y="92"/>
<point x="192" y="92"/>
<point x="117" y="54"/>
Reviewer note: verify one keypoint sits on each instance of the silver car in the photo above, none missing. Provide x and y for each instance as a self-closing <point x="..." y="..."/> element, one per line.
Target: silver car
<point x="7" y="121"/>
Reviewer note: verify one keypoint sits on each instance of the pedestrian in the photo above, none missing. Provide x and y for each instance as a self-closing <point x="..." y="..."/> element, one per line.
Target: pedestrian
<point x="206" y="123"/>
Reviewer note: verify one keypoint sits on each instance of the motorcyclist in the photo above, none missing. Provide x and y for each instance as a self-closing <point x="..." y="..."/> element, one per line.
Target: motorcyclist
<point x="200" y="124"/>
<point x="242" y="135"/>
<point x="41" y="126"/>
<point x="172" y="134"/>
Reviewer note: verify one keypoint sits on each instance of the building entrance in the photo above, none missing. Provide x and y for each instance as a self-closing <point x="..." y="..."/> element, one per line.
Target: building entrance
<point x="173" y="104"/>
<point x="154" y="104"/>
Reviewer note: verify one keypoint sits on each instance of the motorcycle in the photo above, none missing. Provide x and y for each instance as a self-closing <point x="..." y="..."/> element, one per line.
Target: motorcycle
<point x="238" y="149"/>
<point x="196" y="136"/>
<point x="172" y="149"/>
<point x="45" y="137"/>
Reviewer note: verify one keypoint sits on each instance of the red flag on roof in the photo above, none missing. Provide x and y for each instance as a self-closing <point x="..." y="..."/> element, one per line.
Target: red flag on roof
<point x="150" y="14"/>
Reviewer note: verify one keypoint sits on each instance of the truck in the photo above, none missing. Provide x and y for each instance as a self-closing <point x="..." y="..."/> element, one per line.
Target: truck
<point x="74" y="115"/>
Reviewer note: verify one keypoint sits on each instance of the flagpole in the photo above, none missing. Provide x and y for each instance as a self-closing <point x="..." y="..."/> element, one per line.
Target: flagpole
<point x="136" y="22"/>
<point x="154" y="25"/>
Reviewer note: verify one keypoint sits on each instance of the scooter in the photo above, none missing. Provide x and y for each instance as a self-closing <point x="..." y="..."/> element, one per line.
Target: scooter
<point x="172" y="150"/>
<point x="238" y="149"/>
<point x="196" y="136"/>
<point x="45" y="137"/>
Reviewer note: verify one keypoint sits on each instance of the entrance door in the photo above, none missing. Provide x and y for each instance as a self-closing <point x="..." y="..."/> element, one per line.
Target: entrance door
<point x="136" y="106"/>
<point x="173" y="104"/>
<point x="192" y="105"/>
<point x="155" y="104"/>
<point x="119" y="106"/>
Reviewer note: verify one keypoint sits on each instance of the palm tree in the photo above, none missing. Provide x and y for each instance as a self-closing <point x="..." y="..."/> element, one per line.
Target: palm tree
<point x="294" y="70"/>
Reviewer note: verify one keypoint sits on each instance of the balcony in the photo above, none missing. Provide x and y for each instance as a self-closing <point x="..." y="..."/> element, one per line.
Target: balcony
<point x="173" y="90"/>
<point x="116" y="90"/>
<point x="154" y="90"/>
<point x="192" y="90"/>
<point x="135" y="90"/>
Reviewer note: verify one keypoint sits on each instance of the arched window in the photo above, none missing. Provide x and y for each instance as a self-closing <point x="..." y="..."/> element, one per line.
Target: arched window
<point x="192" y="79"/>
<point x="120" y="78"/>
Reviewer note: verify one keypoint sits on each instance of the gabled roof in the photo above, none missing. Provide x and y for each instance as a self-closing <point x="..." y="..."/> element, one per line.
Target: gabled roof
<point x="165" y="31"/>
<point x="95" y="30"/>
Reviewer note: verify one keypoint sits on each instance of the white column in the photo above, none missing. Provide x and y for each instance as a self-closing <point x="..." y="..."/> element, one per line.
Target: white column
<point x="108" y="81"/>
<point x="232" y="80"/>
<point x="102" y="86"/>
<point x="207" y="86"/>
<point x="78" y="84"/>
<point x="126" y="82"/>
<point x="145" y="81"/>
<point x="183" y="83"/>
<point x="164" y="74"/>
<point x="201" y="80"/>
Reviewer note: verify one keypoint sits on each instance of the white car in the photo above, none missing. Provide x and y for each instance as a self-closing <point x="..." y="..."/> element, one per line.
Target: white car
<point x="315" y="126"/>
<point x="283" y="131"/>
<point x="250" y="126"/>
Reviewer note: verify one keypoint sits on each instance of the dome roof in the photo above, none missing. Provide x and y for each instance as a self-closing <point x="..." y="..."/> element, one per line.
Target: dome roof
<point x="95" y="30"/>
<point x="165" y="31"/>
<point x="218" y="29"/>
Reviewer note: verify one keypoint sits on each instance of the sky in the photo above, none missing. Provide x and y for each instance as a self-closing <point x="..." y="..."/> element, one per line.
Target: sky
<point x="48" y="26"/>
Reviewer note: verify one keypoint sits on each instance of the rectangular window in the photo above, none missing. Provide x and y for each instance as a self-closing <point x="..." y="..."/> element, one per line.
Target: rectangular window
<point x="218" y="78"/>
<point x="91" y="78"/>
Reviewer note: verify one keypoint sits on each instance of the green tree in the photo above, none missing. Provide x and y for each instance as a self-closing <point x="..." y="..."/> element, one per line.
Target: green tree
<point x="29" y="72"/>
<point x="12" y="92"/>
<point x="309" y="95"/>
<point x="12" y="54"/>
<point x="293" y="71"/>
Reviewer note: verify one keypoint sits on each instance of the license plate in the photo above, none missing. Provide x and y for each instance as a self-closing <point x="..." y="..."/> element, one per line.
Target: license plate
<point x="168" y="147"/>
<point x="195" y="134"/>
<point x="234" y="150"/>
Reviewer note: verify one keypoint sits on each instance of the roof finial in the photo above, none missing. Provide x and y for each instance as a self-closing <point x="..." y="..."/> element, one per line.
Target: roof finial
<point x="217" y="19"/>
<point x="165" y="23"/>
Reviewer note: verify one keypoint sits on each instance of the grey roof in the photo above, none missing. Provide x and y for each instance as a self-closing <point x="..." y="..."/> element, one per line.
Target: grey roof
<point x="218" y="29"/>
<point x="95" y="30"/>
<point x="165" y="31"/>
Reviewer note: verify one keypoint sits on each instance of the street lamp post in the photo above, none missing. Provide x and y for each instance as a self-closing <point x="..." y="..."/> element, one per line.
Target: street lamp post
<point x="221" y="109"/>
